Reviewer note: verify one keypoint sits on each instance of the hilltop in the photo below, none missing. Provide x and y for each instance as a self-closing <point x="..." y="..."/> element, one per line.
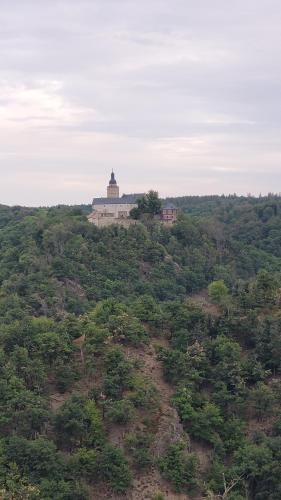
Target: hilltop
<point x="142" y="362"/>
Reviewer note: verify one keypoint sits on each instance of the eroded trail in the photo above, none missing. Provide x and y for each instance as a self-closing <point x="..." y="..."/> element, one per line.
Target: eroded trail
<point x="169" y="429"/>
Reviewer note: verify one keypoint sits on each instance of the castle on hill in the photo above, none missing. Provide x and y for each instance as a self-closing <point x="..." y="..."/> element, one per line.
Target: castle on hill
<point x="114" y="209"/>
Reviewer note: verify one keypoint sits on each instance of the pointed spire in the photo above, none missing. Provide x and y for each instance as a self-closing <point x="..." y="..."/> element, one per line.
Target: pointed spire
<point x="112" y="179"/>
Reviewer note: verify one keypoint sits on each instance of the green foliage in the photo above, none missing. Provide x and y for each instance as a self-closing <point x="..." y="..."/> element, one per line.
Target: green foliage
<point x="188" y="323"/>
<point x="63" y="490"/>
<point x="179" y="468"/>
<point x="15" y="485"/>
<point x="148" y="204"/>
<point x="107" y="464"/>
<point x="143" y="394"/>
<point x="225" y="355"/>
<point x="65" y="376"/>
<point x="147" y="309"/>
<point x="202" y="421"/>
<point x="268" y="342"/>
<point x="37" y="459"/>
<point x="79" y="307"/>
<point x="115" y="469"/>
<point x="138" y="445"/>
<point x="127" y="329"/>
<point x="188" y="367"/>
<point x="217" y="291"/>
<point x="78" y="422"/>
<point x="119" y="412"/>
<point x="117" y="373"/>
<point x="263" y="399"/>
<point x="158" y="496"/>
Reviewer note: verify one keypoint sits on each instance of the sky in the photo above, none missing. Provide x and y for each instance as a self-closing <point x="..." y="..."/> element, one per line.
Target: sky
<point x="180" y="96"/>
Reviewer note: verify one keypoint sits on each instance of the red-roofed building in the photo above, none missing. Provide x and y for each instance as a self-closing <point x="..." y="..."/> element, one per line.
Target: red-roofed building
<point x="169" y="213"/>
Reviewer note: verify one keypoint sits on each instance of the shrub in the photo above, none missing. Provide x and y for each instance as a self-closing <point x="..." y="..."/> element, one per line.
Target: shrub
<point x="179" y="468"/>
<point x="203" y="422"/>
<point x="106" y="464"/>
<point x="65" y="376"/>
<point x="78" y="422"/>
<point x="114" y="469"/>
<point x="119" y="412"/>
<point x="127" y="329"/>
<point x="117" y="373"/>
<point x="138" y="445"/>
<point x="217" y="291"/>
<point x="37" y="458"/>
<point x="144" y="394"/>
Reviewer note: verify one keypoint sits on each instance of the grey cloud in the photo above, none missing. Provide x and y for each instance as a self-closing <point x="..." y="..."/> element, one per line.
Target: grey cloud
<point x="187" y="88"/>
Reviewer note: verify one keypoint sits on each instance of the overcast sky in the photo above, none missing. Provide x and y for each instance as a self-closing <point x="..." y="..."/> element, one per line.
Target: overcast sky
<point x="182" y="96"/>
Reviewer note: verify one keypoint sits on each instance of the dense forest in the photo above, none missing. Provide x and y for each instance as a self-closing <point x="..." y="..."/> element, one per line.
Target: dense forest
<point x="141" y="363"/>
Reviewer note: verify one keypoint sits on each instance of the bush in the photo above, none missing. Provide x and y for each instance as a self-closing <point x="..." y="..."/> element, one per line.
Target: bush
<point x="106" y="464"/>
<point x="114" y="469"/>
<point x="217" y="291"/>
<point x="65" y="376"/>
<point x="127" y="329"/>
<point x="179" y="468"/>
<point x="62" y="490"/>
<point x="78" y="422"/>
<point x="119" y="412"/>
<point x="138" y="445"/>
<point x="144" y="394"/>
<point x="117" y="373"/>
<point x="202" y="422"/>
<point x="37" y="459"/>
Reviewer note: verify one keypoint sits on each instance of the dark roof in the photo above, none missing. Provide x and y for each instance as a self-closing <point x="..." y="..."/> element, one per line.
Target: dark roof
<point x="125" y="198"/>
<point x="112" y="179"/>
<point x="132" y="198"/>
<point x="170" y="206"/>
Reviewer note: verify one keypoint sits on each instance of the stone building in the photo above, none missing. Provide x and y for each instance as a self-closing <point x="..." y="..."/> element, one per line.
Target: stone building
<point x="113" y="209"/>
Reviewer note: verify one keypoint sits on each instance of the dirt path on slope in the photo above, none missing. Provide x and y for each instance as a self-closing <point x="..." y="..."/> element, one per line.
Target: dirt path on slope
<point x="149" y="483"/>
<point x="169" y="429"/>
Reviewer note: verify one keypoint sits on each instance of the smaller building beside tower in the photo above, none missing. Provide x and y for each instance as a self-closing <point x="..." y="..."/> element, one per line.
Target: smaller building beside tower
<point x="169" y="213"/>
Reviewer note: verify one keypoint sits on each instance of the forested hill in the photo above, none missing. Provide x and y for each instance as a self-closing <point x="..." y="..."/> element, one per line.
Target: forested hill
<point x="143" y="362"/>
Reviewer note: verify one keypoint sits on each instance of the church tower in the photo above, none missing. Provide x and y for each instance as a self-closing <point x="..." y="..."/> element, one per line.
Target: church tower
<point x="112" y="188"/>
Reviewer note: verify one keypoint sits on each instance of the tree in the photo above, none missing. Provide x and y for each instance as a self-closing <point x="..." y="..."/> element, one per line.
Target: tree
<point x="202" y="422"/>
<point x="179" y="468"/>
<point x="254" y="462"/>
<point x="119" y="412"/>
<point x="115" y="469"/>
<point x="127" y="329"/>
<point x="138" y="445"/>
<point x="262" y="399"/>
<point x="217" y="291"/>
<point x="148" y="204"/>
<point x="117" y="373"/>
<point x="78" y="423"/>
<point x="36" y="459"/>
<point x="16" y="486"/>
<point x="106" y="464"/>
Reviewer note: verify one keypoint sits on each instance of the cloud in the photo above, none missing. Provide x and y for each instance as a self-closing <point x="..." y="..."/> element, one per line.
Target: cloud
<point x="183" y="97"/>
<point x="39" y="104"/>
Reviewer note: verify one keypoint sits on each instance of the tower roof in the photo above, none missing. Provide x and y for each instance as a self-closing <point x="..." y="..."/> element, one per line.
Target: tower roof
<point x="112" y="179"/>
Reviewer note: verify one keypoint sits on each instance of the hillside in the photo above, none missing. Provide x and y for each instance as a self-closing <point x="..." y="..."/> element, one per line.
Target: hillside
<point x="141" y="363"/>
